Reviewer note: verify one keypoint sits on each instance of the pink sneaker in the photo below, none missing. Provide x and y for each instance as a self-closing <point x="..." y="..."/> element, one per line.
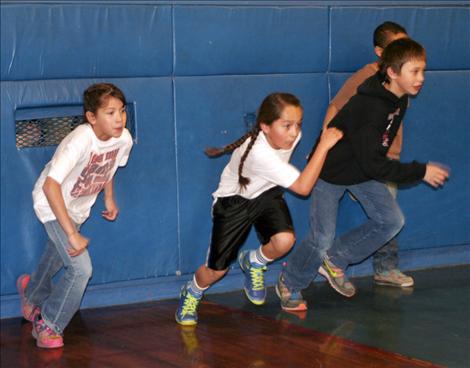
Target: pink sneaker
<point x="45" y="336"/>
<point x="28" y="310"/>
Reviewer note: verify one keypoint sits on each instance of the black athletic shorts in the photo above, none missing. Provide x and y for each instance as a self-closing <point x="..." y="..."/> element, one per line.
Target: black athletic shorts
<point x="232" y="220"/>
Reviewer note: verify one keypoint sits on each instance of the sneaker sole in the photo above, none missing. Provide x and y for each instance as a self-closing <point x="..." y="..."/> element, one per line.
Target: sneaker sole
<point x="300" y="308"/>
<point x="327" y="276"/>
<point x="254" y="301"/>
<point x="44" y="346"/>
<point x="185" y="323"/>
<point x="386" y="283"/>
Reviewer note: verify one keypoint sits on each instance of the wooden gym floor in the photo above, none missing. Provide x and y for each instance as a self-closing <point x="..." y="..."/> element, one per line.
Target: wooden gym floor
<point x="427" y="326"/>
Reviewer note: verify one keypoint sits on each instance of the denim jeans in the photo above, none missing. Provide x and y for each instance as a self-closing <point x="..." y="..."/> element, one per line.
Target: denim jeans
<point x="386" y="258"/>
<point x="385" y="220"/>
<point x="59" y="301"/>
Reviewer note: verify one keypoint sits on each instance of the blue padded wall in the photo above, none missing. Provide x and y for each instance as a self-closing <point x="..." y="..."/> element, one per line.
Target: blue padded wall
<point x="250" y="40"/>
<point x="437" y="130"/>
<point x="85" y="41"/>
<point x="195" y="76"/>
<point x="442" y="30"/>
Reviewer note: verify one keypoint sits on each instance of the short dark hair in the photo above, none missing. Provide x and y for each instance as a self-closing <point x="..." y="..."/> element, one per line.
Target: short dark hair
<point x="382" y="33"/>
<point x="398" y="53"/>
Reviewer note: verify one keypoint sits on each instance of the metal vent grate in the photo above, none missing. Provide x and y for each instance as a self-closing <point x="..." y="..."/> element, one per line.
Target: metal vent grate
<point x="45" y="132"/>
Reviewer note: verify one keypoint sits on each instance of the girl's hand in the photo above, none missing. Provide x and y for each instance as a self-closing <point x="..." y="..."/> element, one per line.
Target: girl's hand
<point x="78" y="244"/>
<point x="111" y="211"/>
<point x="330" y="137"/>
<point x="436" y="174"/>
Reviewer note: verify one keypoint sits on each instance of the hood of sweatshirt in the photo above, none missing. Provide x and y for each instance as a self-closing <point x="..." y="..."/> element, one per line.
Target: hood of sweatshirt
<point x="374" y="87"/>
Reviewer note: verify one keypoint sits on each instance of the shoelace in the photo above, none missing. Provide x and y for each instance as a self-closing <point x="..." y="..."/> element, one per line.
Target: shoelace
<point x="190" y="304"/>
<point x="257" y="278"/>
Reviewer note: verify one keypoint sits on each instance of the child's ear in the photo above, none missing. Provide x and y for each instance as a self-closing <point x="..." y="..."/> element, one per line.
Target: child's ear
<point x="265" y="128"/>
<point x="392" y="74"/>
<point x="90" y="117"/>
<point x="378" y="51"/>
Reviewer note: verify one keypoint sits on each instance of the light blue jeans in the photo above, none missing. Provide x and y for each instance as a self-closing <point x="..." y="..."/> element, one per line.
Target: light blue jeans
<point x="385" y="220"/>
<point x="386" y="258"/>
<point x="59" y="301"/>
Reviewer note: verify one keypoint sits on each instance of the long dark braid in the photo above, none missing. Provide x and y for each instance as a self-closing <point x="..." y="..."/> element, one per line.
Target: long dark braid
<point x="269" y="111"/>
<point x="242" y="180"/>
<point x="216" y="152"/>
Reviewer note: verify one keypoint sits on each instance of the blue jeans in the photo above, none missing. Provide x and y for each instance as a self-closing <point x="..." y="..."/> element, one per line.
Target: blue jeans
<point x="386" y="258"/>
<point x="385" y="220"/>
<point x="59" y="301"/>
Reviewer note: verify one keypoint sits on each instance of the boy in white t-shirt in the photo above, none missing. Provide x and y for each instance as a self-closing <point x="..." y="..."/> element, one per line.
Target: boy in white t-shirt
<point x="83" y="165"/>
<point x="250" y="193"/>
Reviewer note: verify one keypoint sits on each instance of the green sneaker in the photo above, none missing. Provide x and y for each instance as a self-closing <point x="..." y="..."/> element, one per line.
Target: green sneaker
<point x="337" y="278"/>
<point x="186" y="314"/>
<point x="393" y="278"/>
<point x="254" y="279"/>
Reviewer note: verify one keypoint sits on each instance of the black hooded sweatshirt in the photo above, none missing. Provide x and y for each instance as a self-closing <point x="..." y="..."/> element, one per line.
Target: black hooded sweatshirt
<point x="369" y="122"/>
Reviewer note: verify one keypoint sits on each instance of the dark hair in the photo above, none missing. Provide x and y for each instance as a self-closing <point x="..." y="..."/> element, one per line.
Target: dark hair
<point x="95" y="96"/>
<point x="270" y="110"/>
<point x="382" y="33"/>
<point x="398" y="53"/>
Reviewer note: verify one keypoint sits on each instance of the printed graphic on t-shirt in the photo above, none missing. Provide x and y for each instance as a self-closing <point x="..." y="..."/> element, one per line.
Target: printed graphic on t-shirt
<point x="95" y="174"/>
<point x="385" y="136"/>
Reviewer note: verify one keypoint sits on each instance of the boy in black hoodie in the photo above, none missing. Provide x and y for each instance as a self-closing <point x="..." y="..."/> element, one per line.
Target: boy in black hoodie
<point x="359" y="164"/>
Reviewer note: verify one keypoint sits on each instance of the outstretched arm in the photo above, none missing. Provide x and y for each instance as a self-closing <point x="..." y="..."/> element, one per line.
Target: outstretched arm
<point x="308" y="177"/>
<point x="53" y="192"/>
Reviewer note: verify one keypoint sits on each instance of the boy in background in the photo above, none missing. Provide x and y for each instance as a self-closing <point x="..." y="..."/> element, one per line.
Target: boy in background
<point x="385" y="260"/>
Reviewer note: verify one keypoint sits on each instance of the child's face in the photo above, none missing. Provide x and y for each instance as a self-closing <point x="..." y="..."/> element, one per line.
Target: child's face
<point x="410" y="79"/>
<point x="283" y="132"/>
<point x="109" y="120"/>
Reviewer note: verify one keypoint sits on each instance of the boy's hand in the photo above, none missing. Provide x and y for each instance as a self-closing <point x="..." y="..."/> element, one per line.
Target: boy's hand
<point x="78" y="244"/>
<point x="330" y="137"/>
<point x="436" y="174"/>
<point x="111" y="211"/>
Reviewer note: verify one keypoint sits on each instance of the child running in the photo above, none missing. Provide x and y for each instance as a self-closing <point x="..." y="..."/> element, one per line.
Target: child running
<point x="359" y="164"/>
<point x="83" y="165"/>
<point x="385" y="260"/>
<point x="250" y="193"/>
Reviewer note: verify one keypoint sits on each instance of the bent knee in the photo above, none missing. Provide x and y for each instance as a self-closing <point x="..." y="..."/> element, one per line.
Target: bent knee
<point x="396" y="222"/>
<point x="283" y="241"/>
<point x="82" y="269"/>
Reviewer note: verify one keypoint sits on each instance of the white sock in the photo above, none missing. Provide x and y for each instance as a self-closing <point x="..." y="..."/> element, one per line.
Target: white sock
<point x="193" y="285"/>
<point x="257" y="257"/>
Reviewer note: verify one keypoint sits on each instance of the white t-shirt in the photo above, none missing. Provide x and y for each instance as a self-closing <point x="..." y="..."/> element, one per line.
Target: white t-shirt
<point x="265" y="166"/>
<point x="82" y="165"/>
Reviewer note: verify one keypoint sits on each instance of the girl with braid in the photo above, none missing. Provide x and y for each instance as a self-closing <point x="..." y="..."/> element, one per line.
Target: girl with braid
<point x="250" y="193"/>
